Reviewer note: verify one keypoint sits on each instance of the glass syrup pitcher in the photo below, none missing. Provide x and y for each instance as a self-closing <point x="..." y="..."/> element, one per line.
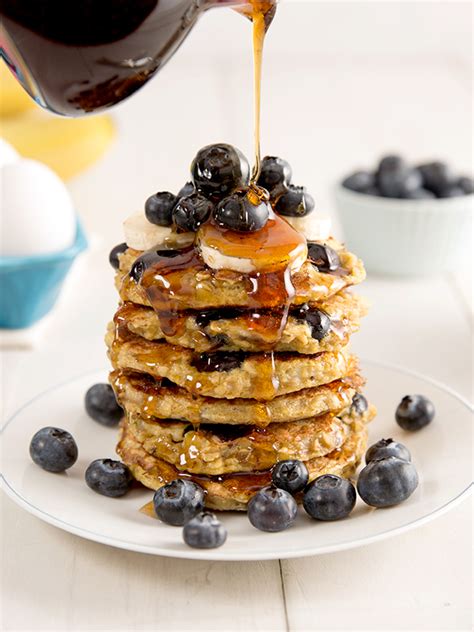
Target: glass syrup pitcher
<point x="84" y="56"/>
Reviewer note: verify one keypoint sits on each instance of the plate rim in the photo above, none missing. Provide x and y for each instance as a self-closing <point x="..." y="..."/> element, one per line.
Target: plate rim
<point x="220" y="554"/>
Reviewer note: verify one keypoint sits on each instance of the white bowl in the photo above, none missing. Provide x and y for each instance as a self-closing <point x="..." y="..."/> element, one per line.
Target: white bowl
<point x="407" y="237"/>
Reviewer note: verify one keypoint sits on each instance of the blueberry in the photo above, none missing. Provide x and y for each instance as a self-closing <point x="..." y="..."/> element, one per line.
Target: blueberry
<point x="437" y="177"/>
<point x="186" y="190"/>
<point x="387" y="447"/>
<point x="294" y="202"/>
<point x="452" y="191"/>
<point x="360" y="181"/>
<point x="466" y="184"/>
<point x="158" y="208"/>
<point x="178" y="501"/>
<point x="53" y="449"/>
<point x="220" y="361"/>
<point x="192" y="211"/>
<point x="108" y="477"/>
<point x="141" y="264"/>
<point x="219" y="169"/>
<point x="114" y="255"/>
<point x="386" y="482"/>
<point x="243" y="212"/>
<point x="204" y="531"/>
<point x="395" y="179"/>
<point x="204" y="317"/>
<point x="329" y="497"/>
<point x="274" y="173"/>
<point x="317" y="319"/>
<point x="272" y="509"/>
<point x="323" y="257"/>
<point x="101" y="405"/>
<point x="414" y="412"/>
<point x="290" y="475"/>
<point x="373" y="191"/>
<point x="419" y="194"/>
<point x="359" y="404"/>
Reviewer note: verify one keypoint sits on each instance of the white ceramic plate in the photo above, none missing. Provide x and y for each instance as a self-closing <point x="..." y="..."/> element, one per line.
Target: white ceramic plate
<point x="441" y="452"/>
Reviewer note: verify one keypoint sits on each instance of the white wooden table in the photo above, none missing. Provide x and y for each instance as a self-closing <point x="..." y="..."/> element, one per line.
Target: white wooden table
<point x="331" y="121"/>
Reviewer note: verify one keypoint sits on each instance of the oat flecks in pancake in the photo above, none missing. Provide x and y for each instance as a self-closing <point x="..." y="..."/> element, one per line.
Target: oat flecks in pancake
<point x="237" y="332"/>
<point x="223" y="449"/>
<point x="233" y="491"/>
<point x="142" y="394"/>
<point x="210" y="288"/>
<point x="256" y="376"/>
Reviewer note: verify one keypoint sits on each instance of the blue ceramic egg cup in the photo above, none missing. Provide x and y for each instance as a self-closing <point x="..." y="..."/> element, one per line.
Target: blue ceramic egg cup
<point x="30" y="286"/>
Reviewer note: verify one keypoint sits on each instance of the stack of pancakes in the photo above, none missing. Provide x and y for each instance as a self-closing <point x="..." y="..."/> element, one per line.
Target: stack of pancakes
<point x="218" y="386"/>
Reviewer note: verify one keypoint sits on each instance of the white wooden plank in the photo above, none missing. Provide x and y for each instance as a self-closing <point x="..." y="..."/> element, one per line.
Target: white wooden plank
<point x="417" y="581"/>
<point x="55" y="581"/>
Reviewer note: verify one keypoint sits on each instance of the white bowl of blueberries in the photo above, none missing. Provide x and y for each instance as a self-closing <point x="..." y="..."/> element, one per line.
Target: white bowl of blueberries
<point x="406" y="220"/>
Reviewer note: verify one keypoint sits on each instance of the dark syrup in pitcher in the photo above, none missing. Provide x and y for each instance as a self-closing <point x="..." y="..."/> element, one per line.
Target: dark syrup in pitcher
<point x="80" y="57"/>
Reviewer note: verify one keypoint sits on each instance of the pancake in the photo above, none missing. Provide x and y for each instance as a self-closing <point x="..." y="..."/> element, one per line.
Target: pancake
<point x="223" y="449"/>
<point x="233" y="491"/>
<point x="232" y="329"/>
<point x="201" y="287"/>
<point x="142" y="394"/>
<point x="227" y="375"/>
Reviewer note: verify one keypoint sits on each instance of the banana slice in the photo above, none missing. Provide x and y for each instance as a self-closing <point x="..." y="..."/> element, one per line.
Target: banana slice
<point x="218" y="261"/>
<point x="312" y="226"/>
<point x="140" y="234"/>
<point x="276" y="245"/>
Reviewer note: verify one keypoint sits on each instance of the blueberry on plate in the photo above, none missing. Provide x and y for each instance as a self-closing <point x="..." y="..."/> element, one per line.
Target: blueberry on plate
<point x="191" y="211"/>
<point x="386" y="482"/>
<point x="204" y="531"/>
<point x="186" y="190"/>
<point x="242" y="212"/>
<point x="387" y="447"/>
<point x="178" y="501"/>
<point x="359" y="404"/>
<point x="323" y="257"/>
<point x="159" y="207"/>
<point x="290" y="475"/>
<point x="437" y="177"/>
<point x="396" y="179"/>
<point x="101" y="405"/>
<point x="274" y="173"/>
<point x="329" y="497"/>
<point x="116" y="251"/>
<point x="414" y="412"/>
<point x="317" y="319"/>
<point x="294" y="202"/>
<point x="360" y="181"/>
<point x="53" y="449"/>
<point x="108" y="477"/>
<point x="272" y="509"/>
<point x="219" y="169"/>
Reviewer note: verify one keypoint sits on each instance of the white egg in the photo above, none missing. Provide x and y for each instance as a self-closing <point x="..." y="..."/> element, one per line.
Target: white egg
<point x="8" y="153"/>
<point x="36" y="209"/>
